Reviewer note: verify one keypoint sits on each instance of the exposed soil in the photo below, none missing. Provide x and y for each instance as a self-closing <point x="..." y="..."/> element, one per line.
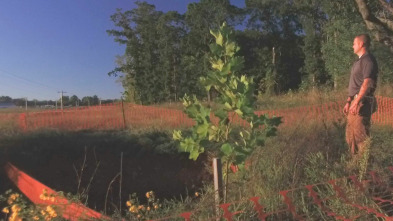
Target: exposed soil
<point x="149" y="162"/>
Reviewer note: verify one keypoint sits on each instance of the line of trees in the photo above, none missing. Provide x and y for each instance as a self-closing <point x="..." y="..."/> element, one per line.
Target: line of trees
<point x="67" y="101"/>
<point x="287" y="44"/>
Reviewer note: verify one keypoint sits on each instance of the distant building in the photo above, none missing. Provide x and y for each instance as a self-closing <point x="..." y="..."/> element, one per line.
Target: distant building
<point x="7" y="105"/>
<point x="48" y="106"/>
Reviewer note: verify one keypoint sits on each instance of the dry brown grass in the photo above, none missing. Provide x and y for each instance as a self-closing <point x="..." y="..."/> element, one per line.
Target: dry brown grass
<point x="301" y="98"/>
<point x="385" y="90"/>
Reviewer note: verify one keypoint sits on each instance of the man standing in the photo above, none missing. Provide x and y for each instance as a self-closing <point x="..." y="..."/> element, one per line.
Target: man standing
<point x="361" y="102"/>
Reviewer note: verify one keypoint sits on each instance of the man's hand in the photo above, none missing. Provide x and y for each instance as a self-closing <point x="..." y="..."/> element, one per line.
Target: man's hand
<point x="353" y="109"/>
<point x="346" y="108"/>
<point x="367" y="84"/>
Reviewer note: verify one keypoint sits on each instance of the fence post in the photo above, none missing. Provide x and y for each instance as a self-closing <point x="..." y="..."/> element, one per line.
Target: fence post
<point x="124" y="116"/>
<point x="218" y="191"/>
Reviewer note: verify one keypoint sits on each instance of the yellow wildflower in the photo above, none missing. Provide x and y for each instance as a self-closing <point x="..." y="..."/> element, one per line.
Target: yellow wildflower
<point x="141" y="207"/>
<point x="12" y="198"/>
<point x="51" y="211"/>
<point x="15" y="217"/>
<point x="148" y="208"/>
<point x="128" y="203"/>
<point x="148" y="195"/>
<point x="14" y="195"/>
<point x="36" y="218"/>
<point x="5" y="210"/>
<point x="156" y="206"/>
<point x="15" y="208"/>
<point x="133" y="209"/>
<point x="196" y="194"/>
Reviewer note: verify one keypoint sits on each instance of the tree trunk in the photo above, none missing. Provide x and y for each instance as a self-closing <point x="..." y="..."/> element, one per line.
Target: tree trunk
<point x="382" y="29"/>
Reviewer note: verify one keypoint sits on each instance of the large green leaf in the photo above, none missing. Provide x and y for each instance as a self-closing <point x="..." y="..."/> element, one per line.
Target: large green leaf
<point x="230" y="49"/>
<point x="177" y="135"/>
<point x="226" y="149"/>
<point x="187" y="145"/>
<point x="215" y="33"/>
<point x="237" y="64"/>
<point x="215" y="49"/>
<point x="228" y="106"/>
<point x="230" y="94"/>
<point x="248" y="110"/>
<point x="217" y="64"/>
<point x="219" y="39"/>
<point x="226" y="69"/>
<point x="202" y="130"/>
<point x="194" y="155"/>
<point x="240" y="158"/>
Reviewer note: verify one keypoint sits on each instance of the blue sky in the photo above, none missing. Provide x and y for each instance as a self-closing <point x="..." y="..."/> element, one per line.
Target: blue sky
<point x="48" y="46"/>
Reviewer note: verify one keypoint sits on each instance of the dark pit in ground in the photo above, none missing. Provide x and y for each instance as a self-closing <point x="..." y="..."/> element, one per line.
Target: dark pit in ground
<point x="90" y="162"/>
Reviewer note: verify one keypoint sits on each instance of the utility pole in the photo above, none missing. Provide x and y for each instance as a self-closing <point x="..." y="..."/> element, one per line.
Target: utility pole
<point x="26" y="103"/>
<point x="61" y="98"/>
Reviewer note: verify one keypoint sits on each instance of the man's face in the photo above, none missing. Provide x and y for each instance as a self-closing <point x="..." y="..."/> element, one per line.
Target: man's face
<point x="357" y="45"/>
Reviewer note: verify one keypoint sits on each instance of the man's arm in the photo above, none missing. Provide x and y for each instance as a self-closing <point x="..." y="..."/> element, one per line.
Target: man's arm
<point x="367" y="84"/>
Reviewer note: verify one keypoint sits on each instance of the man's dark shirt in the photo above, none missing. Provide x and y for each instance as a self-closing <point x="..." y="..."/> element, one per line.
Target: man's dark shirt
<point x="365" y="67"/>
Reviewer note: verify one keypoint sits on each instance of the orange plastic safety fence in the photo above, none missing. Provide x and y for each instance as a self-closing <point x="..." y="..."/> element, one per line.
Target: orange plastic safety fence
<point x="32" y="189"/>
<point x="118" y="116"/>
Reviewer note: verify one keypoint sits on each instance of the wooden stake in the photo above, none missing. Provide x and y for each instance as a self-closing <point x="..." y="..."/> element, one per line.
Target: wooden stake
<point x="218" y="192"/>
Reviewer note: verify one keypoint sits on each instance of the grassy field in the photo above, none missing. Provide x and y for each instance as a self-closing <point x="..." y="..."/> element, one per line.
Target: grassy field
<point x="307" y="152"/>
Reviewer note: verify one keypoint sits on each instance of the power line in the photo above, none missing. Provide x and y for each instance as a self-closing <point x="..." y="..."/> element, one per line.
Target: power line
<point x="22" y="91"/>
<point x="2" y="71"/>
<point x="8" y="73"/>
<point x="25" y="79"/>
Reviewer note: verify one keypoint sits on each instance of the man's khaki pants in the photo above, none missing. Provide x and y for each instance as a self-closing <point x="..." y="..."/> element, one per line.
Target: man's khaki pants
<point x="357" y="131"/>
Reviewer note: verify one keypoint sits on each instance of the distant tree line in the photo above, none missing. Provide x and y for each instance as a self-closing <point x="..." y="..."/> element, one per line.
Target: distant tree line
<point x="67" y="101"/>
<point x="287" y="44"/>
